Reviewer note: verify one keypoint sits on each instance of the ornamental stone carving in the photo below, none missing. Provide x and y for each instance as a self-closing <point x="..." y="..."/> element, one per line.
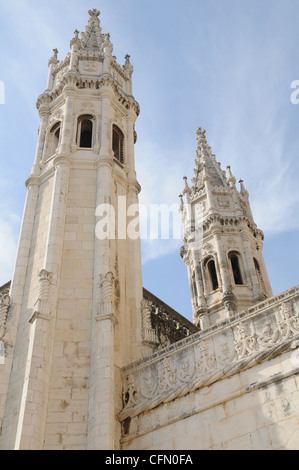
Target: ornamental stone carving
<point x="4" y="306"/>
<point x="42" y="307"/>
<point x="223" y="202"/>
<point x="106" y="303"/>
<point x="166" y="375"/>
<point x="217" y="353"/>
<point x="245" y="345"/>
<point x="289" y="323"/>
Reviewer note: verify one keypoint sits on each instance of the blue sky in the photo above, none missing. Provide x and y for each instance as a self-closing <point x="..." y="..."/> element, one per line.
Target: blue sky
<point x="224" y="65"/>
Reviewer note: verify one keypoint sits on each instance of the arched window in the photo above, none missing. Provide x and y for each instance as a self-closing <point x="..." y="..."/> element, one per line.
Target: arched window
<point x="118" y="144"/>
<point x="55" y="134"/>
<point x="235" y="264"/>
<point x="213" y="274"/>
<point x="85" y="129"/>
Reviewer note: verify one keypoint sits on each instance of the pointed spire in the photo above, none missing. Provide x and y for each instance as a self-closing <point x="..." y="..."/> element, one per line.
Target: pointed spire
<point x="75" y="40"/>
<point x="206" y="166"/>
<point x="92" y="38"/>
<point x="230" y="177"/>
<point x="181" y="202"/>
<point x="243" y="191"/>
<point x="128" y="66"/>
<point x="186" y="189"/>
<point x="54" y="59"/>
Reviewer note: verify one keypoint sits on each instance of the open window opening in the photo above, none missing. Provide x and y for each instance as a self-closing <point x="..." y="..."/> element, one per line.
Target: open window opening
<point x="55" y="134"/>
<point x="213" y="274"/>
<point x="85" y="131"/>
<point x="118" y="144"/>
<point x="235" y="264"/>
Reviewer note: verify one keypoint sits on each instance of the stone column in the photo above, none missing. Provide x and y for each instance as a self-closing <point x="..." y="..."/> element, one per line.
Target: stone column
<point x="101" y="424"/>
<point x="52" y="62"/>
<point x="256" y="290"/>
<point x="10" y="419"/>
<point x="44" y="116"/>
<point x="224" y="278"/>
<point x="228" y="297"/>
<point x="33" y="410"/>
<point x="202" y="312"/>
<point x="108" y="48"/>
<point x="69" y="92"/>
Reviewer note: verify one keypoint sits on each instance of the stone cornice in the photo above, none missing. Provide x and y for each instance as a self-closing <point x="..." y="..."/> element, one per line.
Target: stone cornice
<point x="32" y="180"/>
<point x="216" y="220"/>
<point x="61" y="160"/>
<point x="94" y="83"/>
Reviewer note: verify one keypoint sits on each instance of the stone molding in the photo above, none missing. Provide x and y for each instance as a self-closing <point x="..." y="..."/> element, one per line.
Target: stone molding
<point x="256" y="335"/>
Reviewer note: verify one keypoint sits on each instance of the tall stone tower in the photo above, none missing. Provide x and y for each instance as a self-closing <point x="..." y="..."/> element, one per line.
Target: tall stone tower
<point x="222" y="245"/>
<point x="74" y="318"/>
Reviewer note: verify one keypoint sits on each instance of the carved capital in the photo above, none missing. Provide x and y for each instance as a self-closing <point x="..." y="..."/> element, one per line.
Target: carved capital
<point x="107" y="294"/>
<point x="42" y="307"/>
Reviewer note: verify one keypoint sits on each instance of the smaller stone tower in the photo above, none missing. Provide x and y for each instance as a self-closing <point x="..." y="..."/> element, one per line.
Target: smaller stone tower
<point x="222" y="246"/>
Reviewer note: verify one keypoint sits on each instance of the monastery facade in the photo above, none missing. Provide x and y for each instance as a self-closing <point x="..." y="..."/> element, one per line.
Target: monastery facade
<point x="89" y="359"/>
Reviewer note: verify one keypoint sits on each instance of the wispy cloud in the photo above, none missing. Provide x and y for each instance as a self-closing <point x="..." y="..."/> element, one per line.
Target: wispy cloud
<point x="9" y="227"/>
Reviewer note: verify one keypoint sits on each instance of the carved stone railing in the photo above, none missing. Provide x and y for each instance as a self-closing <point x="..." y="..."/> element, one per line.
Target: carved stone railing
<point x="162" y="325"/>
<point x="257" y="334"/>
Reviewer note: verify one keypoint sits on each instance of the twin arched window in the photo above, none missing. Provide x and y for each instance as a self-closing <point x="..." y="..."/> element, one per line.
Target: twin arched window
<point x="85" y="136"/>
<point x="235" y="267"/>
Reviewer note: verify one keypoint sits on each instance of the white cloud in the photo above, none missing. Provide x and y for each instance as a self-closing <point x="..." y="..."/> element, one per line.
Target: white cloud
<point x="9" y="227"/>
<point x="160" y="173"/>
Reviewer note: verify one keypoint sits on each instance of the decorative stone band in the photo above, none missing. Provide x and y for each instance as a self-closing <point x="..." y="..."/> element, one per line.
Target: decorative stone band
<point x="254" y="336"/>
<point x="89" y="82"/>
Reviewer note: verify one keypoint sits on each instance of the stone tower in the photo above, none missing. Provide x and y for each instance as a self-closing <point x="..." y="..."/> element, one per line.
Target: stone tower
<point x="74" y="305"/>
<point x="222" y="246"/>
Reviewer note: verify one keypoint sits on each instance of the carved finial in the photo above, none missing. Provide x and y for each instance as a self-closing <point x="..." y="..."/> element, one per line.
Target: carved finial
<point x="230" y="176"/>
<point x="54" y="59"/>
<point x="186" y="186"/>
<point x="94" y="13"/>
<point x="243" y="191"/>
<point x="75" y="39"/>
<point x="128" y="66"/>
<point x="200" y="134"/>
<point x="107" y="37"/>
